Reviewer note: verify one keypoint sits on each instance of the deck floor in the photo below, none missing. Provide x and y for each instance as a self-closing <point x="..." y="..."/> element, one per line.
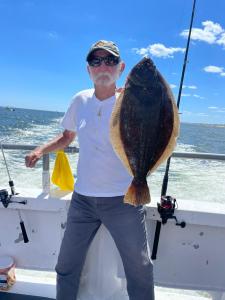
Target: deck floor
<point x="160" y="294"/>
<point x="7" y="296"/>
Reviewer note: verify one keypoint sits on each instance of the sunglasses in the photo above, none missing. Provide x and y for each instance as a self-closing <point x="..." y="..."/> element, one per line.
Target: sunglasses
<point x="110" y="60"/>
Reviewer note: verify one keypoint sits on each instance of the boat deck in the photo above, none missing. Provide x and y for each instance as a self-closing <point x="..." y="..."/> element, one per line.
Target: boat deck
<point x="5" y="296"/>
<point x="160" y="294"/>
<point x="42" y="283"/>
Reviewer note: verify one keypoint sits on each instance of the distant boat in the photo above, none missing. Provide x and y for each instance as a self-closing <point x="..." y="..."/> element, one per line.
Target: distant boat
<point x="10" y="108"/>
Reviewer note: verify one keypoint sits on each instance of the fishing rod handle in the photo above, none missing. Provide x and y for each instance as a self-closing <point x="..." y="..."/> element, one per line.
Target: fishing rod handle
<point x="24" y="233"/>
<point x="156" y="240"/>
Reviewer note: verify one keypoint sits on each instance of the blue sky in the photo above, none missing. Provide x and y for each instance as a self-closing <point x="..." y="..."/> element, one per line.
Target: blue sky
<point x="44" y="44"/>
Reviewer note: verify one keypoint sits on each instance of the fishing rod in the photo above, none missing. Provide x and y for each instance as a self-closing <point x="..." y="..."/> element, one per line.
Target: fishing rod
<point x="5" y="198"/>
<point x="168" y="204"/>
<point x="11" y="184"/>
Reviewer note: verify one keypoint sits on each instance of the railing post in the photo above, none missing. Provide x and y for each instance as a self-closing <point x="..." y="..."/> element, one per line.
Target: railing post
<point x="45" y="174"/>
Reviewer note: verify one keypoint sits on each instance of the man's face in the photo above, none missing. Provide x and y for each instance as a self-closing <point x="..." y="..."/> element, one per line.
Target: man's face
<point x="105" y="75"/>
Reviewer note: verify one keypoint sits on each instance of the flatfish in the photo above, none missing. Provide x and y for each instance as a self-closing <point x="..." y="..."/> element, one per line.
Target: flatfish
<point x="144" y="127"/>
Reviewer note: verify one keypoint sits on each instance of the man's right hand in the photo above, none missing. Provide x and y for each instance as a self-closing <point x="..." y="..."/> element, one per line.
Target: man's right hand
<point x="59" y="142"/>
<point x="32" y="158"/>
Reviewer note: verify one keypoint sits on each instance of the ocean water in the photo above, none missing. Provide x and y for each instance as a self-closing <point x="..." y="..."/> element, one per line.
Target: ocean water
<point x="202" y="180"/>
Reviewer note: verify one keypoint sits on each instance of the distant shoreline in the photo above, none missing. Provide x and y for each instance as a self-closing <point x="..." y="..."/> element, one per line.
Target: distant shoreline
<point x="56" y="111"/>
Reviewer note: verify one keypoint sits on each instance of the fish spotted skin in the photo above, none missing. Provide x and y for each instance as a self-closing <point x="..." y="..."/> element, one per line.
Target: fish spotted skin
<point x="144" y="126"/>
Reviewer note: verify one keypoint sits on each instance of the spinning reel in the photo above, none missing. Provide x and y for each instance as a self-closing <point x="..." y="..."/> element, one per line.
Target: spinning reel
<point x="166" y="209"/>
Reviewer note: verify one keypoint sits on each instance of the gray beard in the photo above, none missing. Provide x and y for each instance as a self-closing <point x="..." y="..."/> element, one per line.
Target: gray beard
<point x="105" y="78"/>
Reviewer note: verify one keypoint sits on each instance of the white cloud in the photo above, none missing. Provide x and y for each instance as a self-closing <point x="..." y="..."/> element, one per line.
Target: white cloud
<point x="52" y="35"/>
<point x="200" y="35"/>
<point x="158" y="50"/>
<point x="141" y="51"/>
<point x="221" y="40"/>
<point x="186" y="112"/>
<point x="212" y="27"/>
<point x="202" y="114"/>
<point x="213" y="69"/>
<point x="173" y="86"/>
<point x="217" y="109"/>
<point x="185" y="95"/>
<point x="190" y="95"/>
<point x="211" y="33"/>
<point x="197" y="96"/>
<point x="192" y="87"/>
<point x="189" y="113"/>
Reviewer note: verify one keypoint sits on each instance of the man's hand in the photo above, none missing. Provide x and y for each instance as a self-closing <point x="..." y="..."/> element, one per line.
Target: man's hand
<point x="32" y="158"/>
<point x="58" y="143"/>
<point x="120" y="90"/>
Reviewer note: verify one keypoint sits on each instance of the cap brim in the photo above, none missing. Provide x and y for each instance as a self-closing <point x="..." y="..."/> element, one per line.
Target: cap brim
<point x="102" y="48"/>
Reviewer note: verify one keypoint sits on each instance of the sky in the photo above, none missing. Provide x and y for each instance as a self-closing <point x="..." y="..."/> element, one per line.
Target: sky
<point x="43" y="46"/>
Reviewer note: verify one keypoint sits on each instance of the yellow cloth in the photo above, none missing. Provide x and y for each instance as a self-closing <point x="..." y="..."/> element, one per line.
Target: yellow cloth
<point x="62" y="175"/>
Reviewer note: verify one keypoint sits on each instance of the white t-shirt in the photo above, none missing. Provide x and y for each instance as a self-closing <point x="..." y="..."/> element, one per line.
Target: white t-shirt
<point x="100" y="173"/>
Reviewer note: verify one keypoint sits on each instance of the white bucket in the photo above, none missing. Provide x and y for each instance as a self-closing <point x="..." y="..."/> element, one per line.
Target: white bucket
<point x="7" y="272"/>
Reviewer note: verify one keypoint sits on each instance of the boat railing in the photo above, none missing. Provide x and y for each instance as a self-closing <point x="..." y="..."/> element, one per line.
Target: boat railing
<point x="73" y="149"/>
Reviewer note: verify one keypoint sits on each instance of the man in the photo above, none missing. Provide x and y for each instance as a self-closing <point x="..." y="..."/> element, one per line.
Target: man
<point x="102" y="180"/>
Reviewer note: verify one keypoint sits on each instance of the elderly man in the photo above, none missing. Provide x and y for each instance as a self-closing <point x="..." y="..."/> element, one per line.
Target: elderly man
<point x="101" y="183"/>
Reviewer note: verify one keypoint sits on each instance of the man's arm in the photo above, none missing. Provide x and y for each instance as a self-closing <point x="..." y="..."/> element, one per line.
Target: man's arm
<point x="60" y="142"/>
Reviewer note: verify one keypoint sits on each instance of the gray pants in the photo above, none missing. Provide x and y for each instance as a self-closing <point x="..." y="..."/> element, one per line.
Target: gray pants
<point x="126" y="224"/>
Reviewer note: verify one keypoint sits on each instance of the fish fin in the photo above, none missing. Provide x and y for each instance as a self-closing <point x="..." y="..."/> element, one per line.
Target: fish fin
<point x="137" y="193"/>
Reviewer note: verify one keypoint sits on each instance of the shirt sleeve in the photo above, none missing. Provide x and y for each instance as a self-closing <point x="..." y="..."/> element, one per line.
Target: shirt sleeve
<point x="69" y="121"/>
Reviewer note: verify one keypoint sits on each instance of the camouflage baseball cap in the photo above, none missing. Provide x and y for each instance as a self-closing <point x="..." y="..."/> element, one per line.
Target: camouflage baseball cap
<point x="104" y="45"/>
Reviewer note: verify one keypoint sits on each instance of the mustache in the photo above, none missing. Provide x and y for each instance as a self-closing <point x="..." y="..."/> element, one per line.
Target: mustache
<point x="106" y="74"/>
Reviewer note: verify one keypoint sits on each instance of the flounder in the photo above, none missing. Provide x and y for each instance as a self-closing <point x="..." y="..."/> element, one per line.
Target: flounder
<point x="144" y="127"/>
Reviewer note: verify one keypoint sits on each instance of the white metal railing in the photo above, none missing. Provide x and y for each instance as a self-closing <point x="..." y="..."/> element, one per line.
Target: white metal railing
<point x="72" y="149"/>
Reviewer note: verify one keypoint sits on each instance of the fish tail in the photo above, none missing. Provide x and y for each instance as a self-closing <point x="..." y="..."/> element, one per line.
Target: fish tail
<point x="137" y="193"/>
